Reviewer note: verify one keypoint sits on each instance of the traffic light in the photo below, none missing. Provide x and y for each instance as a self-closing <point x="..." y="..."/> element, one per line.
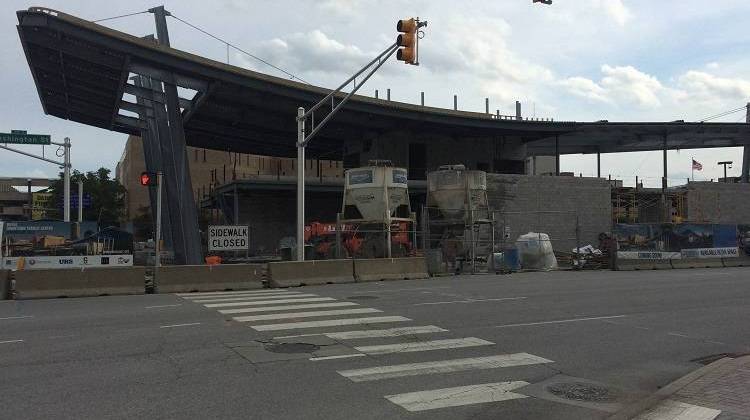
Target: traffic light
<point x="148" y="178"/>
<point x="407" y="40"/>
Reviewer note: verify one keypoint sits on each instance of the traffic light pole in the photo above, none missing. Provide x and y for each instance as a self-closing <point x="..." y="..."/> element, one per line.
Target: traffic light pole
<point x="65" y="164"/>
<point x="157" y="236"/>
<point x="303" y="139"/>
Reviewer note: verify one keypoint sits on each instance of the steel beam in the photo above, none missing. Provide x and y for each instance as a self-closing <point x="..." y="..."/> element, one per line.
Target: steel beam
<point x="180" y="200"/>
<point x="152" y="156"/>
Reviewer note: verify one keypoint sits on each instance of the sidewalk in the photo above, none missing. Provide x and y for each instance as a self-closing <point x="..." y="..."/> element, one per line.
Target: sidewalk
<point x="718" y="391"/>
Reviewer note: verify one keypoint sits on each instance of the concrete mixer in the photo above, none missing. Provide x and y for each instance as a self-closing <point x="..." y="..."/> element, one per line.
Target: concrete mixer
<point x="376" y="201"/>
<point x="457" y="218"/>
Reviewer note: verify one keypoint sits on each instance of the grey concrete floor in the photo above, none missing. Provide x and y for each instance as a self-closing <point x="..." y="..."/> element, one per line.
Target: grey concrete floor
<point x="162" y="356"/>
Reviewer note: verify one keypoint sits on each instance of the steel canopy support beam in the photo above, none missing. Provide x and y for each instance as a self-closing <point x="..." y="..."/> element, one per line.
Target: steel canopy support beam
<point x="598" y="164"/>
<point x="180" y="200"/>
<point x="152" y="154"/>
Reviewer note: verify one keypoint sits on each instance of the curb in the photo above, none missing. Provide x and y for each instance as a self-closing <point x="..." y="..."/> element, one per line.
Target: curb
<point x="632" y="410"/>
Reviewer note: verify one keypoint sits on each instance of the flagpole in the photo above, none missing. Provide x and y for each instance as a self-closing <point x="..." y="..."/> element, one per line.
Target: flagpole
<point x="692" y="168"/>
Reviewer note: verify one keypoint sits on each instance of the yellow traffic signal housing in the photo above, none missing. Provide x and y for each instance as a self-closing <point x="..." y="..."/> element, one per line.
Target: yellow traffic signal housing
<point x="407" y="40"/>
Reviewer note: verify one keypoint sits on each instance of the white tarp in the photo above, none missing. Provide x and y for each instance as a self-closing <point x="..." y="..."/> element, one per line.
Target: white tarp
<point x="535" y="252"/>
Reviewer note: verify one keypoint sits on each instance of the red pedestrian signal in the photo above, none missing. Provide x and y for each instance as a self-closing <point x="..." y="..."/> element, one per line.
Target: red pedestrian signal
<point x="148" y="178"/>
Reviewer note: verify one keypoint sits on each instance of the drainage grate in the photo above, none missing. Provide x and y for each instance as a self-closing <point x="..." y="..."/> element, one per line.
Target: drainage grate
<point x="579" y="391"/>
<point x="292" y="348"/>
<point x="362" y="297"/>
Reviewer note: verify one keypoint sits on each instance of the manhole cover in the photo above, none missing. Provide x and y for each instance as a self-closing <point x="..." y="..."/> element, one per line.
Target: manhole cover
<point x="579" y="391"/>
<point x="292" y="348"/>
<point x="363" y="297"/>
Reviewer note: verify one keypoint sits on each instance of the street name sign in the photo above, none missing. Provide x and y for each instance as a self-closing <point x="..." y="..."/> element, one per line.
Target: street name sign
<point x="21" y="137"/>
<point x="228" y="238"/>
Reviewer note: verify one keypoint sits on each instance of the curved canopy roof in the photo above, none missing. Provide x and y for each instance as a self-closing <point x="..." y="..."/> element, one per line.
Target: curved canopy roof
<point x="82" y="71"/>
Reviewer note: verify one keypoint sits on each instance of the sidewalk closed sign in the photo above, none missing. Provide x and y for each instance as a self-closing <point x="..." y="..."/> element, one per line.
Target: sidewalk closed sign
<point x="228" y="238"/>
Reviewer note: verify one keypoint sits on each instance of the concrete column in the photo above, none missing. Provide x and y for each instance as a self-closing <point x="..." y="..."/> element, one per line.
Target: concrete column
<point x="455" y="102"/>
<point x="376" y="94"/>
<point x="518" y="110"/>
<point x="388" y="94"/>
<point x="487" y="105"/>
<point x="421" y="97"/>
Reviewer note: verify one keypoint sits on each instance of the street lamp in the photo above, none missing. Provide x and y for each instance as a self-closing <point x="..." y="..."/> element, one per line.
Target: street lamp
<point x="725" y="164"/>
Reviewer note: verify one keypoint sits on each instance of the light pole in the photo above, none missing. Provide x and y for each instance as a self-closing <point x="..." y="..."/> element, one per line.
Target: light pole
<point x="725" y="164"/>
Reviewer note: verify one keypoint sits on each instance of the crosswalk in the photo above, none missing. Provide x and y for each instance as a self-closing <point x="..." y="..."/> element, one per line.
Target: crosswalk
<point x="382" y="336"/>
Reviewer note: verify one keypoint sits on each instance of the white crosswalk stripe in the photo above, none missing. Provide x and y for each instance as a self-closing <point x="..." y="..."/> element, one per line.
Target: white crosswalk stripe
<point x="199" y="295"/>
<point x="286" y="307"/>
<point x="267" y="302"/>
<point x="312" y="314"/>
<point x="390" y="332"/>
<point x="442" y="366"/>
<point x="249" y="298"/>
<point x="329" y="323"/>
<point x="452" y="343"/>
<point x="457" y="396"/>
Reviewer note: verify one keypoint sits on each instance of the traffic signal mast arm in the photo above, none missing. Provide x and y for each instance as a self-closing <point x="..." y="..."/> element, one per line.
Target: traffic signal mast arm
<point x="410" y="29"/>
<point x="380" y="59"/>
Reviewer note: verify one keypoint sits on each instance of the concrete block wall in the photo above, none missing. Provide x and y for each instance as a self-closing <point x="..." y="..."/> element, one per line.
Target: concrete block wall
<point x="549" y="204"/>
<point x="715" y="202"/>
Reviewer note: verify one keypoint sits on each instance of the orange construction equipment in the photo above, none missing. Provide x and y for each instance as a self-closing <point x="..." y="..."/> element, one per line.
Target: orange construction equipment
<point x="353" y="242"/>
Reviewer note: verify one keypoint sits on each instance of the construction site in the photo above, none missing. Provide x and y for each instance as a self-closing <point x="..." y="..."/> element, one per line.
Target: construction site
<point x="468" y="192"/>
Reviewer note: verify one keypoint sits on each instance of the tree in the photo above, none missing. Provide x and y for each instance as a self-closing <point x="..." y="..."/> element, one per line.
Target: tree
<point x="107" y="196"/>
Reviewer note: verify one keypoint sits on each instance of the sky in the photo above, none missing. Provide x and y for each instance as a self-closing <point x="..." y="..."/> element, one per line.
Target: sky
<point x="582" y="60"/>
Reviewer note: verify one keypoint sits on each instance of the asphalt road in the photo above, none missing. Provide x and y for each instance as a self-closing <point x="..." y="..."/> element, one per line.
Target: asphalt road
<point x="471" y="347"/>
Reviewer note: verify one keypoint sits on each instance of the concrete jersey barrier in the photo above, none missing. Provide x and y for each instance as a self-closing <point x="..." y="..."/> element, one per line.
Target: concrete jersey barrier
<point x="208" y="278"/>
<point x="697" y="263"/>
<point x="37" y="284"/>
<point x="307" y="273"/>
<point x="390" y="269"/>
<point x="635" y="265"/>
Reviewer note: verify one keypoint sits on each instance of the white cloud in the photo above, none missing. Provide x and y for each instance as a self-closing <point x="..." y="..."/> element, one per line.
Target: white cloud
<point x="311" y="52"/>
<point x="702" y="86"/>
<point x="616" y="10"/>
<point x="632" y="85"/>
<point x="586" y="88"/>
<point x="619" y="85"/>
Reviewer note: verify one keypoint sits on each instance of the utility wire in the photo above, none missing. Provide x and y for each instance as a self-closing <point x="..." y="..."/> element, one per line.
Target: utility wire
<point x="240" y="49"/>
<point x="121" y="16"/>
<point x="723" y="114"/>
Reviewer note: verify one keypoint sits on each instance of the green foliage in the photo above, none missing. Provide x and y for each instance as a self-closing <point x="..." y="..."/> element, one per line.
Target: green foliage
<point x="107" y="197"/>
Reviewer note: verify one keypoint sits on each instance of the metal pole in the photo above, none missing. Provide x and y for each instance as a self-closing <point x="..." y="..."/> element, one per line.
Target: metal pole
<point x="388" y="94"/>
<point x="746" y="153"/>
<point x="486" y="105"/>
<point x="66" y="180"/>
<point x="300" y="184"/>
<point x="29" y="200"/>
<point x="421" y="96"/>
<point x="557" y="150"/>
<point x="598" y="164"/>
<point x="80" y="201"/>
<point x="157" y="236"/>
<point x="455" y="102"/>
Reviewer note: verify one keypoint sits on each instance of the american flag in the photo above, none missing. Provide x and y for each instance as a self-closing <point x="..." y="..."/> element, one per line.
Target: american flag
<point x="697" y="165"/>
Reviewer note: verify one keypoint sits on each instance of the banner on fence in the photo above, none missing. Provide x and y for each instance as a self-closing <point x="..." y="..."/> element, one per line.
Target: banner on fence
<point x="686" y="240"/>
